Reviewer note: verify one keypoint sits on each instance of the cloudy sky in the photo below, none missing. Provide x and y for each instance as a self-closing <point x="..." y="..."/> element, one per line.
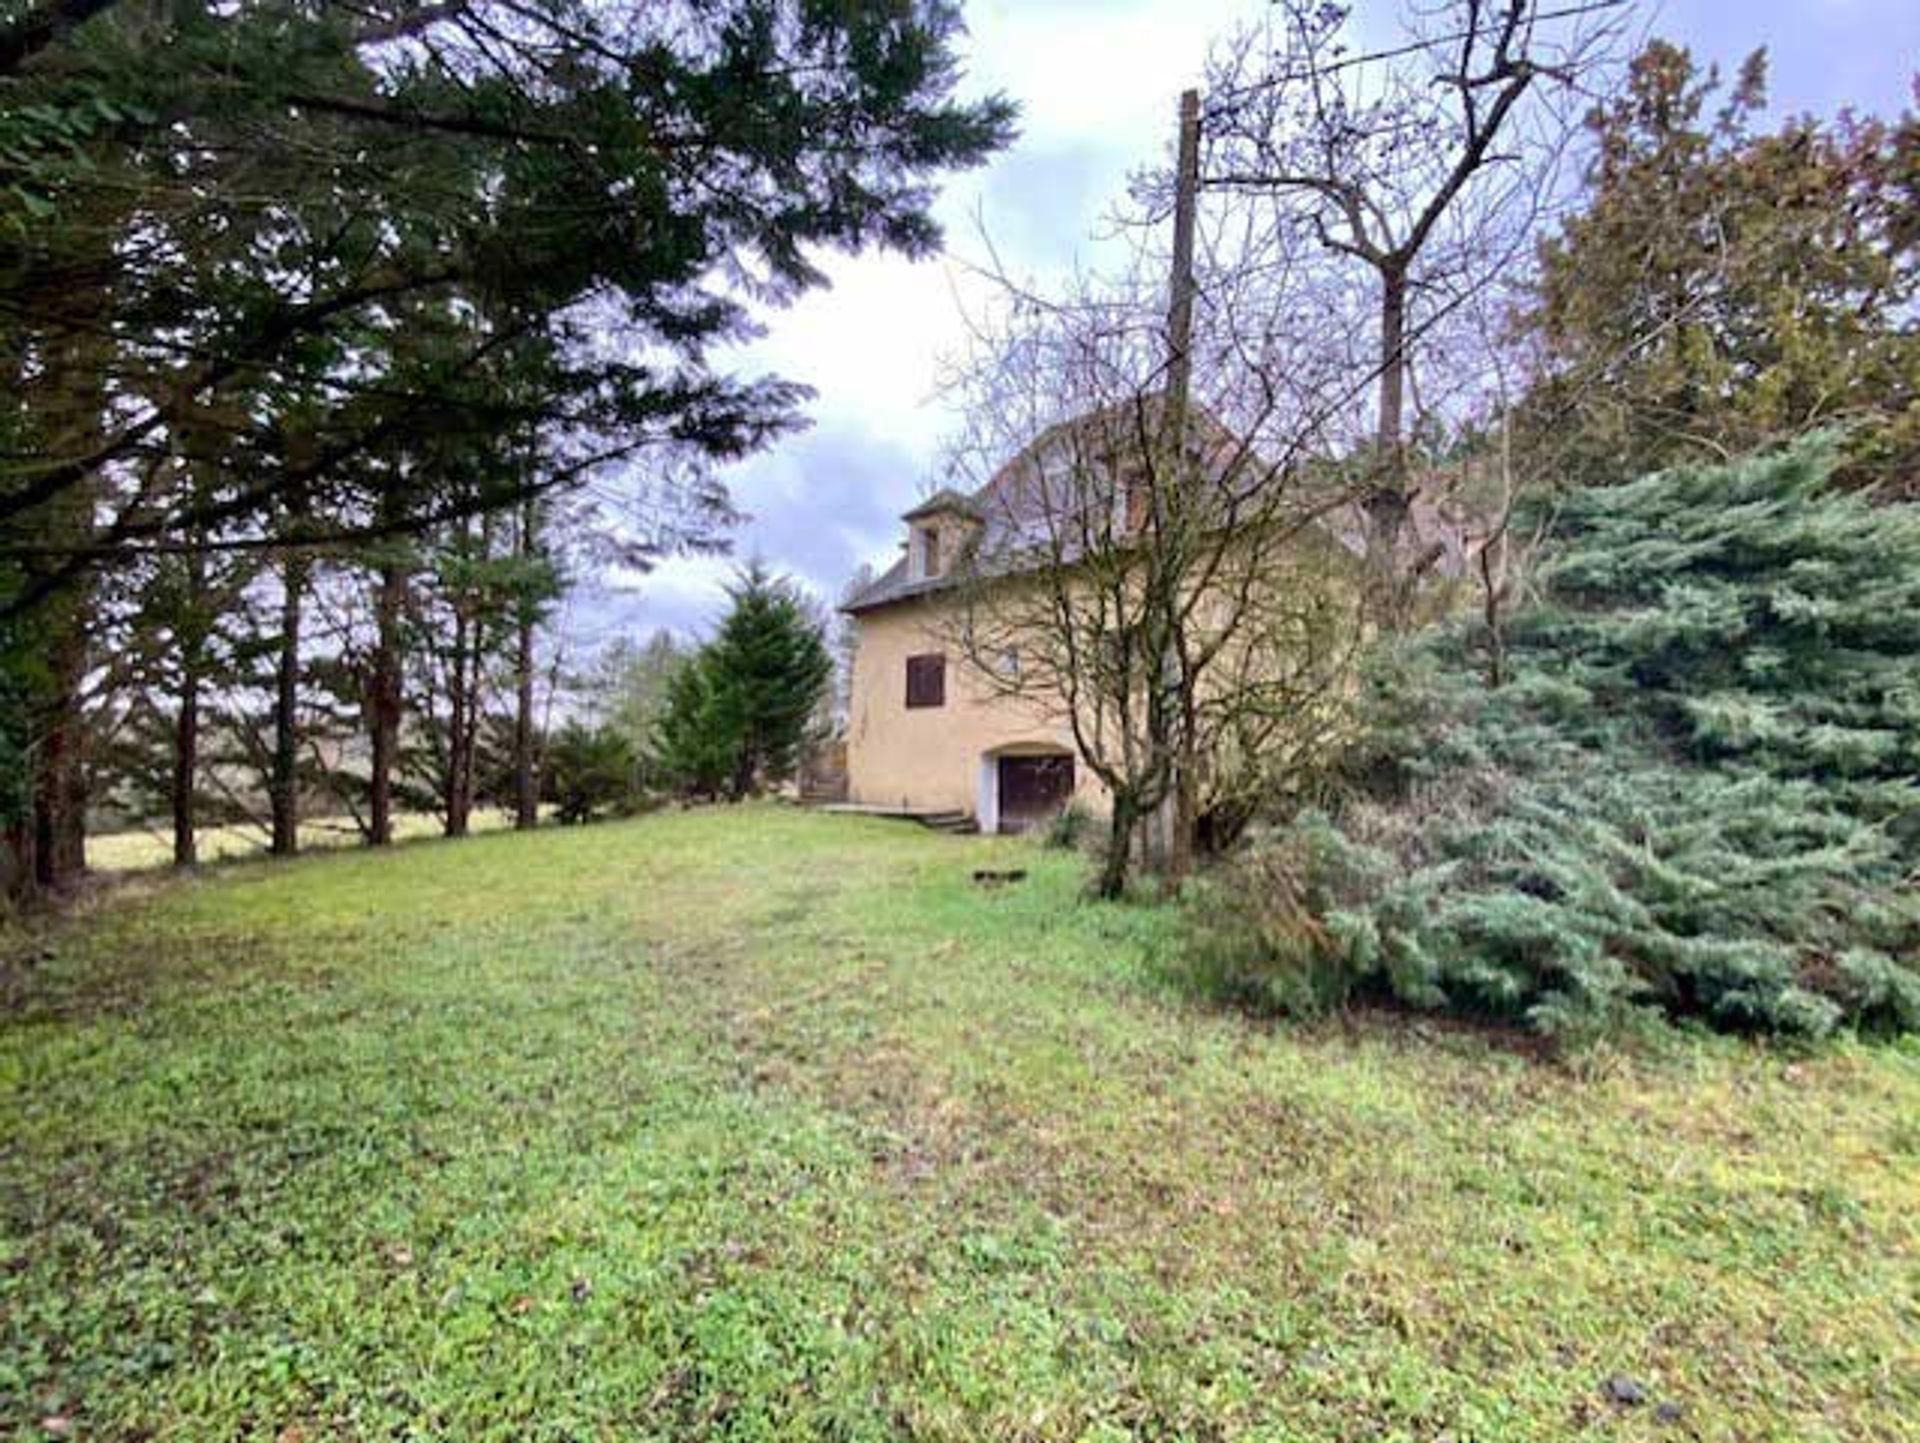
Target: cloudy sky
<point x="1096" y="81"/>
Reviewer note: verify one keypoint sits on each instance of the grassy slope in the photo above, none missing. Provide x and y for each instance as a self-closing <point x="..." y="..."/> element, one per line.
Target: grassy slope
<point x="760" y="1124"/>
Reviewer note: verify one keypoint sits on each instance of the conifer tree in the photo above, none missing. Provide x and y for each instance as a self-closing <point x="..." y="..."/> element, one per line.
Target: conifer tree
<point x="691" y="748"/>
<point x="738" y="715"/>
<point x="330" y="234"/>
<point x="771" y="667"/>
<point x="1725" y="289"/>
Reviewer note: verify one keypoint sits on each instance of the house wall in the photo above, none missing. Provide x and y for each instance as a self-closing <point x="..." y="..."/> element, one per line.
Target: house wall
<point x="932" y="757"/>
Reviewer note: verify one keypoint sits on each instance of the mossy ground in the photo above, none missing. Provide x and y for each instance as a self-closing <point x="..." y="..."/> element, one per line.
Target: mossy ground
<point x="756" y="1124"/>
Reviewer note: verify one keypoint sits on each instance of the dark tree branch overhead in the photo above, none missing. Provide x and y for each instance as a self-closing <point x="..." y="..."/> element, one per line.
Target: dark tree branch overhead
<point x="430" y="164"/>
<point x="45" y="482"/>
<point x="354" y="108"/>
<point x="402" y="22"/>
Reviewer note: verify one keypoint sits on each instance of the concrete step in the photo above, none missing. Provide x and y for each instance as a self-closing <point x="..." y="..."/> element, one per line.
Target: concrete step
<point x="948" y="820"/>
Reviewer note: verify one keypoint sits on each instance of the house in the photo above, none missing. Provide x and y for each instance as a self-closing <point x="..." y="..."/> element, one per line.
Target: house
<point x="927" y="728"/>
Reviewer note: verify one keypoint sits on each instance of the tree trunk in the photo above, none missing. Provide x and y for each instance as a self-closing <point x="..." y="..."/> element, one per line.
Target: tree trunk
<point x="1393" y="364"/>
<point x="743" y="769"/>
<point x="1185" y="799"/>
<point x="66" y="403"/>
<point x="186" y="765"/>
<point x="60" y="792"/>
<point x="470" y="739"/>
<point x="192" y="631"/>
<point x="471" y="602"/>
<point x="60" y="626"/>
<point x="16" y="860"/>
<point x="459" y="733"/>
<point x="526" y="782"/>
<point x="1495" y="564"/>
<point x="526" y="787"/>
<point x="1112" y="881"/>
<point x="284" y="785"/>
<point x="383" y="703"/>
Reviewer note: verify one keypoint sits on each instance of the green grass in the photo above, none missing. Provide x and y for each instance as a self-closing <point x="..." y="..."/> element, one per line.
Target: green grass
<point x="140" y="848"/>
<point x="754" y="1124"/>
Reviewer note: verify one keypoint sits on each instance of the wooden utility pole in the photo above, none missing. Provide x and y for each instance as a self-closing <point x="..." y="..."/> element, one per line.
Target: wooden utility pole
<point x="1186" y="194"/>
<point x="1170" y="829"/>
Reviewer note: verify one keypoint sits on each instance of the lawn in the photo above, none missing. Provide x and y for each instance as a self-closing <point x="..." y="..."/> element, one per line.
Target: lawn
<point x="140" y="848"/>
<point x="760" y="1124"/>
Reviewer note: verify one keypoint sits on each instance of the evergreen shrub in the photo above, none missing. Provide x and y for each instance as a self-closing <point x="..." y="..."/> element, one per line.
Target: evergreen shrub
<point x="1697" y="794"/>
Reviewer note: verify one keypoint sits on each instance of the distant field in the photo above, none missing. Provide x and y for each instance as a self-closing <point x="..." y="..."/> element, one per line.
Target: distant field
<point x="754" y="1124"/>
<point x="134" y="851"/>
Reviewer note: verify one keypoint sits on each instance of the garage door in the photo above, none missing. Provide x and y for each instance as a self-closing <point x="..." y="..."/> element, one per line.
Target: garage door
<point x="1033" y="790"/>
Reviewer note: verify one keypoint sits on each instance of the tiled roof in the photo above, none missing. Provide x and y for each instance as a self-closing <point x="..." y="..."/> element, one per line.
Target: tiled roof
<point x="1434" y="523"/>
<point x="945" y="500"/>
<point x="890" y="586"/>
<point x="994" y="507"/>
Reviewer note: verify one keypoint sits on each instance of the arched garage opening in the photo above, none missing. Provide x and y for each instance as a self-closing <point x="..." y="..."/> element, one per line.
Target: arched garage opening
<point x="1023" y="786"/>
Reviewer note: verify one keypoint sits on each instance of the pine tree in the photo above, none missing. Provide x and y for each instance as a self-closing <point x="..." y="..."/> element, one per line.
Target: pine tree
<point x="691" y="747"/>
<point x="590" y="770"/>
<point x="771" y="668"/>
<point x="738" y="714"/>
<point x="350" y="226"/>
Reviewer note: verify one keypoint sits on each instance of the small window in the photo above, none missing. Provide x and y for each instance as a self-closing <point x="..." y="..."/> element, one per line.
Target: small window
<point x="930" y="552"/>
<point x="927" y="680"/>
<point x="1007" y="663"/>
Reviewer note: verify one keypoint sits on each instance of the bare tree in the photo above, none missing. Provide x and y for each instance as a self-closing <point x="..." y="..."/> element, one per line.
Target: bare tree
<point x="1421" y="168"/>
<point x="1144" y="572"/>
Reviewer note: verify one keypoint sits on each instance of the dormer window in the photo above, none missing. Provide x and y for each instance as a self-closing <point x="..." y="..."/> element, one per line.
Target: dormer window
<point x="937" y="531"/>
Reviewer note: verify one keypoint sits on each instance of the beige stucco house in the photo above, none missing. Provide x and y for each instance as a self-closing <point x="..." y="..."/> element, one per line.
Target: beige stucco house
<point x="926" y="731"/>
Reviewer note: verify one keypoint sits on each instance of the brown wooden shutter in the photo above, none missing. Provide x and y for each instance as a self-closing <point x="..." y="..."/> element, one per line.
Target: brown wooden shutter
<point x="927" y="680"/>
